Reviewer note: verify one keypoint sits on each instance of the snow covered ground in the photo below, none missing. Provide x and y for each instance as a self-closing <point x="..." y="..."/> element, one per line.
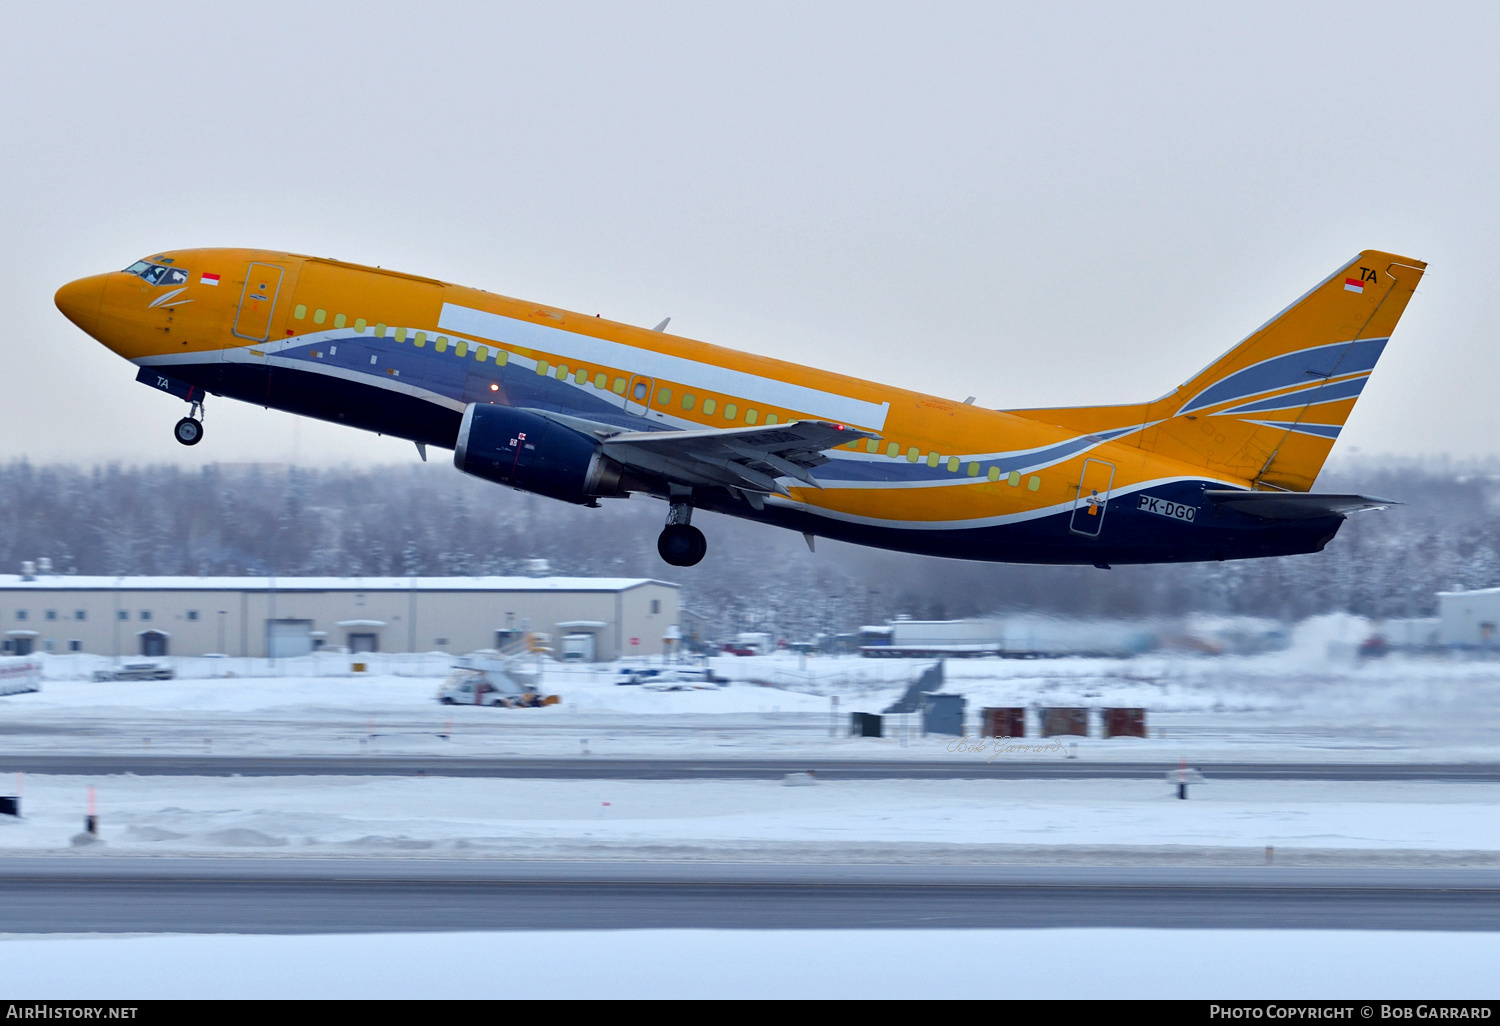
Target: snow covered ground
<point x="1211" y="965"/>
<point x="1312" y="703"/>
<point x="903" y="820"/>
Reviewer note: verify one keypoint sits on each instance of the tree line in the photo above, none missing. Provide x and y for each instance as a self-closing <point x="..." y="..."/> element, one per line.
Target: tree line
<point x="236" y="519"/>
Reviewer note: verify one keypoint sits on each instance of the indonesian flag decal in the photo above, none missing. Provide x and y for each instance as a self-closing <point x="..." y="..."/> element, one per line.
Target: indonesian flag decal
<point x="213" y="279"/>
<point x="1354" y="285"/>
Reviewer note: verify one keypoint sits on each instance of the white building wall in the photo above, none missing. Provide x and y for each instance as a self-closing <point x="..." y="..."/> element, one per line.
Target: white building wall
<point x="229" y="615"/>
<point x="1470" y="618"/>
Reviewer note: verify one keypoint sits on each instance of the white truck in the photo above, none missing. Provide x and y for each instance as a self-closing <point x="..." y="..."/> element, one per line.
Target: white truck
<point x="495" y="680"/>
<point x="19" y="674"/>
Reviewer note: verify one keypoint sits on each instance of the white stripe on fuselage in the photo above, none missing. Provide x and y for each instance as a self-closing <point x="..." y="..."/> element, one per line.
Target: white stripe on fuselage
<point x="694" y="373"/>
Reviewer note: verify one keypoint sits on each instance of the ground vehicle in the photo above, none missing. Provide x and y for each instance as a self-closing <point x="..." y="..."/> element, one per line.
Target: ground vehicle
<point x="511" y="681"/>
<point x="137" y="671"/>
<point x="652" y="676"/>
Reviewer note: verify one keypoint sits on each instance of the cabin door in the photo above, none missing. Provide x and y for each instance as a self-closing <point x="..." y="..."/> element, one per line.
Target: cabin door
<point x="258" y="302"/>
<point x="1093" y="496"/>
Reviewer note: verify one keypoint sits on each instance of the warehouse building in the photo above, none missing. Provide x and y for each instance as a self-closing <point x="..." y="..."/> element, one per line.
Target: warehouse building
<point x="588" y="619"/>
<point x="1469" y="619"/>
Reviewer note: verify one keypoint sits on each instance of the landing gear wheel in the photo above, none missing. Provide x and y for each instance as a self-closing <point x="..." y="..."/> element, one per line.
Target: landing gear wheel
<point x="681" y="544"/>
<point x="188" y="431"/>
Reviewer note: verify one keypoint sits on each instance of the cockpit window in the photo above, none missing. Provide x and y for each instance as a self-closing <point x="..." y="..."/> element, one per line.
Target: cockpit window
<point x="158" y="274"/>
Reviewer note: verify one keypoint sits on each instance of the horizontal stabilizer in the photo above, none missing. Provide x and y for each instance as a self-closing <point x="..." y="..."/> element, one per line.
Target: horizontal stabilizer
<point x="1295" y="505"/>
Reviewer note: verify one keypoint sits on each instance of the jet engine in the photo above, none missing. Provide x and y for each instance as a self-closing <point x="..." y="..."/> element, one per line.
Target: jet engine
<point x="530" y="452"/>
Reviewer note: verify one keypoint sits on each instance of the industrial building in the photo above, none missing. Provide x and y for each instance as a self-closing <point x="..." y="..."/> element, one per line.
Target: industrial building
<point x="1469" y="619"/>
<point x="588" y="619"/>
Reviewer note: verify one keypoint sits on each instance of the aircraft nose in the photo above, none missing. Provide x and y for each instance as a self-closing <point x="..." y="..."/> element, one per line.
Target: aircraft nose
<point x="80" y="300"/>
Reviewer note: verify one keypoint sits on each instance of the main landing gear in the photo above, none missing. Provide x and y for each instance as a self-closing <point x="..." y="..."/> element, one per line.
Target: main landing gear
<point x="680" y="543"/>
<point x="189" y="430"/>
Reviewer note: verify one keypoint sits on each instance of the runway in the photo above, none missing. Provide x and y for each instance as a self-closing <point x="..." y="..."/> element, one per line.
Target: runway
<point x="289" y="895"/>
<point x="959" y="767"/>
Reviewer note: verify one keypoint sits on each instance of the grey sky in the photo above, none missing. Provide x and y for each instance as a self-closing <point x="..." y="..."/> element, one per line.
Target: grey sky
<point x="1033" y="204"/>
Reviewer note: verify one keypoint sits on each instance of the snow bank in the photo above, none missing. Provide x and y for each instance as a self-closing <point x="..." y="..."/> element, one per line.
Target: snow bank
<point x="1103" y="964"/>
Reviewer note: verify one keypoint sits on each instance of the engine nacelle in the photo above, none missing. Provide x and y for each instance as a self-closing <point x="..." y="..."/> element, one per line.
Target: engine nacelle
<point x="530" y="452"/>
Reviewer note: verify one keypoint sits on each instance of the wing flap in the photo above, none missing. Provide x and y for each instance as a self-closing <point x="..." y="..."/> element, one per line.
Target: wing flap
<point x="742" y="457"/>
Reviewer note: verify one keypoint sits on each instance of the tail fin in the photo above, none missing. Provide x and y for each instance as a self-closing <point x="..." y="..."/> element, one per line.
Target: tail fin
<point x="1268" y="411"/>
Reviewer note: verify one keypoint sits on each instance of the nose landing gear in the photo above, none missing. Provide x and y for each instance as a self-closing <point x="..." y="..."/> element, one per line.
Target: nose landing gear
<point x="680" y="543"/>
<point x="189" y="430"/>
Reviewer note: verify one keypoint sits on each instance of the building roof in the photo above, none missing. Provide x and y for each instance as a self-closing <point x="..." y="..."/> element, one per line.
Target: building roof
<point x="70" y="582"/>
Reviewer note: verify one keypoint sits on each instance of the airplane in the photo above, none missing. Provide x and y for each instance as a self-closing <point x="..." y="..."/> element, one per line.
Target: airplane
<point x="579" y="408"/>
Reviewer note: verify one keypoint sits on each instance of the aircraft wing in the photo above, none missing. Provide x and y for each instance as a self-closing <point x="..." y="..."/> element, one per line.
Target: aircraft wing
<point x="747" y="458"/>
<point x="1295" y="505"/>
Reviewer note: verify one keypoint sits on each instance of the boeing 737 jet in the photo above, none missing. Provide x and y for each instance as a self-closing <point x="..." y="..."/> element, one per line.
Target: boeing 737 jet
<point x="580" y="409"/>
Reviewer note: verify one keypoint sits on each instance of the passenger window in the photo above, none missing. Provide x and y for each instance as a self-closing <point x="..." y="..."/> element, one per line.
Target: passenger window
<point x="299" y="312"/>
<point x="359" y="326"/>
<point x="771" y="418"/>
<point x="893" y="450"/>
<point x="952" y="464"/>
<point x="601" y="381"/>
<point x="543" y="368"/>
<point x="664" y="397"/>
<point x="932" y="459"/>
<point x="339" y="320"/>
<point x="994" y="473"/>
<point x="619" y="386"/>
<point x="710" y="405"/>
<point x="731" y="411"/>
<point x="581" y="377"/>
<point x="640" y="391"/>
<point x="400" y="334"/>
<point x="688" y="400"/>
<point x="421" y="340"/>
<point x="462" y="349"/>
<point x="380" y="331"/>
<point x="973" y="469"/>
<point x="912" y="455"/>
<point x="1033" y="482"/>
<point x="871" y="444"/>
<point x="481" y="354"/>
<point x="751" y="416"/>
<point x="1014" y="477"/>
<point x="441" y="345"/>
<point x="562" y="372"/>
<point x="502" y="357"/>
<point x="319" y="316"/>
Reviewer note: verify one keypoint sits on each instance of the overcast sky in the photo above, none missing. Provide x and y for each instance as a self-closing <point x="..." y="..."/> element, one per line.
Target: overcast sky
<point x="1035" y="204"/>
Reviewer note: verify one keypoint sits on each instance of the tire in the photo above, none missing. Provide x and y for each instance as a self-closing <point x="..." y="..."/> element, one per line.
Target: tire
<point x="188" y="431"/>
<point x="681" y="545"/>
